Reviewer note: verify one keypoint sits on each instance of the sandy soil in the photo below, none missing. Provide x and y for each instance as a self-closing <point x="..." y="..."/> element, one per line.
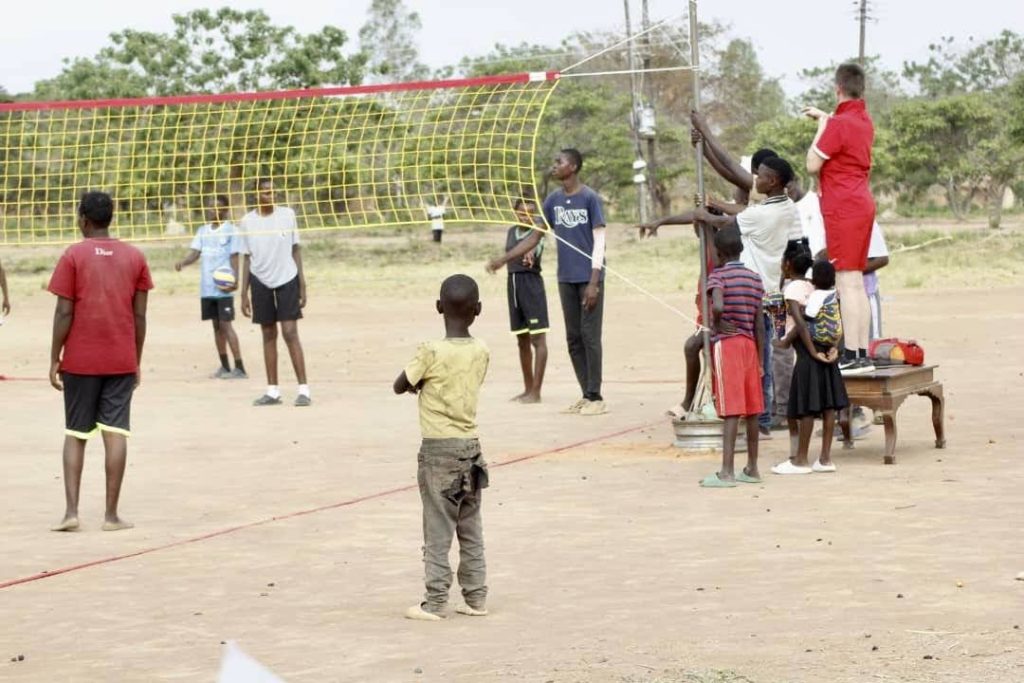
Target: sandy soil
<point x="607" y="562"/>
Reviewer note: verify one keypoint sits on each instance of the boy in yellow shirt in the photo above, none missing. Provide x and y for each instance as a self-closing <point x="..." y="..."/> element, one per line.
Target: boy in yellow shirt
<point x="447" y="375"/>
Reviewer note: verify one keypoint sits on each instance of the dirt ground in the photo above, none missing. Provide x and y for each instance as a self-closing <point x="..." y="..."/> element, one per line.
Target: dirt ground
<point x="606" y="561"/>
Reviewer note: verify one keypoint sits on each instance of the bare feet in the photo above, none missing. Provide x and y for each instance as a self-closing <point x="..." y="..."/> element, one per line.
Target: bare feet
<point x="518" y="398"/>
<point x="529" y="398"/>
<point x="117" y="524"/>
<point x="69" y="523"/>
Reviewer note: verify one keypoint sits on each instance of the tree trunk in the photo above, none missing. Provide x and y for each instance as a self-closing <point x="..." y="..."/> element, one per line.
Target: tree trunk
<point x="953" y="200"/>
<point x="996" y="190"/>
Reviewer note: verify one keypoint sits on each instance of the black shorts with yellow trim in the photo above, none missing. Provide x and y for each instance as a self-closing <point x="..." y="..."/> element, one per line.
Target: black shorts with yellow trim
<point x="527" y="303"/>
<point x="94" y="403"/>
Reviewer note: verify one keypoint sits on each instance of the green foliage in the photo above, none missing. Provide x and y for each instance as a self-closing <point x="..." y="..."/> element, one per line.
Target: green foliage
<point x="740" y="94"/>
<point x="388" y="40"/>
<point x="225" y="50"/>
<point x="960" y="142"/>
<point x="985" y="67"/>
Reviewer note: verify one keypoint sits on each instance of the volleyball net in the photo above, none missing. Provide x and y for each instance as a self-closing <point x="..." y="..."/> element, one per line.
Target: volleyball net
<point x="342" y="158"/>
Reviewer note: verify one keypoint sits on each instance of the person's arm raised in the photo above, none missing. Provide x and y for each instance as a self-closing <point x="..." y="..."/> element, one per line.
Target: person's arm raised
<point x="719" y="158"/>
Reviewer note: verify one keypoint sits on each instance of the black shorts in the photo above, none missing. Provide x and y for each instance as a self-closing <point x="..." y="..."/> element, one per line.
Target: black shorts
<point x="218" y="308"/>
<point x="527" y="304"/>
<point x="95" y="403"/>
<point x="275" y="305"/>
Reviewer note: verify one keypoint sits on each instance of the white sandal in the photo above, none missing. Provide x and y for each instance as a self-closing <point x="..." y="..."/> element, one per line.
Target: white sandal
<point x="818" y="467"/>
<point x="787" y="467"/>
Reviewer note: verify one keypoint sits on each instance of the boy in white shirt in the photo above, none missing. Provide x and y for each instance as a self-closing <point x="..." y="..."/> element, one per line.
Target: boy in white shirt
<point x="273" y="268"/>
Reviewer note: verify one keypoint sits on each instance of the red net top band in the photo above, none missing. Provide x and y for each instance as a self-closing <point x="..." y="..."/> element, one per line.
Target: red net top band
<point x="340" y="91"/>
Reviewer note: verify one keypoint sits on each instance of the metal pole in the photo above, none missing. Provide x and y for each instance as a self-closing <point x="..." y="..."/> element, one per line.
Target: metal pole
<point x="863" y="21"/>
<point x="703" y="229"/>
<point x="641" y="204"/>
<point x="652" y="166"/>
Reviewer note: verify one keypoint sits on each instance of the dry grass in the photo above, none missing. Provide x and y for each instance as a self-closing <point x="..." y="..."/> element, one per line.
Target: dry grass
<point x="406" y="262"/>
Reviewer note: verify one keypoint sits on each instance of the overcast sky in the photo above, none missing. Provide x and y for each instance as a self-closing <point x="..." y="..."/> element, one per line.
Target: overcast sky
<point x="789" y="35"/>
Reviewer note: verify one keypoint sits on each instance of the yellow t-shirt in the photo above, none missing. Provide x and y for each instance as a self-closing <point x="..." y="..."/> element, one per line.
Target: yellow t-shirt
<point x="452" y="370"/>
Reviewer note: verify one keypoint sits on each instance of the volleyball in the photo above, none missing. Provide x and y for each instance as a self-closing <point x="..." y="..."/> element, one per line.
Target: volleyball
<point x="224" y="278"/>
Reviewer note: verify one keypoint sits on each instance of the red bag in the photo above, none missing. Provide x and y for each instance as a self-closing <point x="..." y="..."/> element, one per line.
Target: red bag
<point x="895" y="351"/>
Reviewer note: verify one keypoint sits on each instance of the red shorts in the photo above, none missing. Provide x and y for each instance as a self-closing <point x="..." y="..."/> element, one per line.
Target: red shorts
<point x="848" y="236"/>
<point x="736" y="374"/>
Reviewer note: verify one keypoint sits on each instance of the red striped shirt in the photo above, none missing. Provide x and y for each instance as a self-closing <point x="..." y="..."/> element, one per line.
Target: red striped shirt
<point x="742" y="293"/>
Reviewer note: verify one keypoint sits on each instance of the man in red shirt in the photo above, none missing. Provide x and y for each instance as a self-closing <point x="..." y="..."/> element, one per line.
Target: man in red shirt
<point x="841" y="157"/>
<point x="102" y="286"/>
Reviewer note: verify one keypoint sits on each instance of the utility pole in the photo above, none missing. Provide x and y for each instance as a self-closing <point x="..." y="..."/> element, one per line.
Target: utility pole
<point x="639" y="166"/>
<point x="652" y="177"/>
<point x="863" y="17"/>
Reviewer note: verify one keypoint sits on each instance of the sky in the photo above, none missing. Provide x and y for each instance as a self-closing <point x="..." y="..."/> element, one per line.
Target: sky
<point x="788" y="35"/>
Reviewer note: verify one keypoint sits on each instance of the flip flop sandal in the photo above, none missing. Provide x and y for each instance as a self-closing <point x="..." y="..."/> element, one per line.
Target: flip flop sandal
<point x="713" y="482"/>
<point x="746" y="478"/>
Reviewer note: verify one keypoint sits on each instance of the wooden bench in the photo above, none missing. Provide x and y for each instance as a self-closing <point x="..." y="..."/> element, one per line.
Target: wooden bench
<point x="884" y="390"/>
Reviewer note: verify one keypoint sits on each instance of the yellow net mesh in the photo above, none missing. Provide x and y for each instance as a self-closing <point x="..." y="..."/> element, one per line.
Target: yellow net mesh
<point x="341" y="157"/>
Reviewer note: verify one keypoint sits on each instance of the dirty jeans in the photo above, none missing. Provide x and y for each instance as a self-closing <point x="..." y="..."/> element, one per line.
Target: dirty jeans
<point x="451" y="474"/>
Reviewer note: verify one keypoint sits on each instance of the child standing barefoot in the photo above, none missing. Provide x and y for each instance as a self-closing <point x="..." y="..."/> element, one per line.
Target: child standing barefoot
<point x="447" y="375"/>
<point x="817" y="388"/>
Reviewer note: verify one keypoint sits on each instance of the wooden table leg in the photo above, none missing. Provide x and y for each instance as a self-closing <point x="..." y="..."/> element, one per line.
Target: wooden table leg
<point x="889" y="421"/>
<point x="938" y="414"/>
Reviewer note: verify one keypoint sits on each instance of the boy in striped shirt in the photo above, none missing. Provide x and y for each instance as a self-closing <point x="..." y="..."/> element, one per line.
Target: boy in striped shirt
<point x="737" y="339"/>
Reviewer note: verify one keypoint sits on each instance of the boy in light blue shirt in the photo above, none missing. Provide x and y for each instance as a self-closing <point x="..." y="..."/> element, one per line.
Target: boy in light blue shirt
<point x="217" y="245"/>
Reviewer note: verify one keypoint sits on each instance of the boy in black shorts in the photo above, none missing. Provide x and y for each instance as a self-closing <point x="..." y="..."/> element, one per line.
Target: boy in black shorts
<point x="99" y="327"/>
<point x="217" y="244"/>
<point x="273" y="269"/>
<point x="527" y="301"/>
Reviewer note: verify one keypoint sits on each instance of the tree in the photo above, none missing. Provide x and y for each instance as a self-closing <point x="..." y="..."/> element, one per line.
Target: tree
<point x="225" y="50"/>
<point x="960" y="142"/>
<point x="975" y="100"/>
<point x="388" y="42"/>
<point x="740" y="95"/>
<point x="986" y="67"/>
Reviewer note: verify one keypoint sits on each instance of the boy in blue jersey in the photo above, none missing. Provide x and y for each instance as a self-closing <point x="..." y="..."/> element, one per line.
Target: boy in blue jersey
<point x="527" y="300"/>
<point x="575" y="214"/>
<point x="216" y="243"/>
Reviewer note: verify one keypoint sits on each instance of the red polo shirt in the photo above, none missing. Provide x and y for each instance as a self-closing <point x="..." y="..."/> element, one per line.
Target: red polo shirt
<point x="847" y="206"/>
<point x="101" y="276"/>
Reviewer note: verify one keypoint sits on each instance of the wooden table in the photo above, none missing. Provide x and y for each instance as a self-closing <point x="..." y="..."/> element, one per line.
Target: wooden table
<point x="884" y="390"/>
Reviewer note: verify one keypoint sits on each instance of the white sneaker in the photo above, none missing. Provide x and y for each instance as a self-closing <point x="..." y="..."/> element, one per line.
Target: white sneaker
<point x="787" y="467"/>
<point x="575" y="408"/>
<point x="818" y="467"/>
<point x="593" y="408"/>
<point x="471" y="611"/>
<point x="419" y="614"/>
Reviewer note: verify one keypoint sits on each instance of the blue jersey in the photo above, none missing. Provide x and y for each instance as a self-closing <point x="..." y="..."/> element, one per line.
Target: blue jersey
<point x="574" y="217"/>
<point x="215" y="246"/>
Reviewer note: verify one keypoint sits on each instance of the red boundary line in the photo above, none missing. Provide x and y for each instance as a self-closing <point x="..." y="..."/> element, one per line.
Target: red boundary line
<point x="274" y="94"/>
<point x="301" y="513"/>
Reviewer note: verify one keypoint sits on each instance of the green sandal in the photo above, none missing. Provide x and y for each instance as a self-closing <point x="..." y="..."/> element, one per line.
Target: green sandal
<point x="713" y="482"/>
<point x="746" y="478"/>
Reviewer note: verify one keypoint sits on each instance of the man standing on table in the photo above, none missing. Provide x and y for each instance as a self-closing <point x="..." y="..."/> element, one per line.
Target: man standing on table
<point x="841" y="157"/>
<point x="574" y="212"/>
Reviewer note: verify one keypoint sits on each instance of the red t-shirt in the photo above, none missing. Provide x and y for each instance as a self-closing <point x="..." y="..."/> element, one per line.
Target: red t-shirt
<point x="846" y="147"/>
<point x="101" y="276"/>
